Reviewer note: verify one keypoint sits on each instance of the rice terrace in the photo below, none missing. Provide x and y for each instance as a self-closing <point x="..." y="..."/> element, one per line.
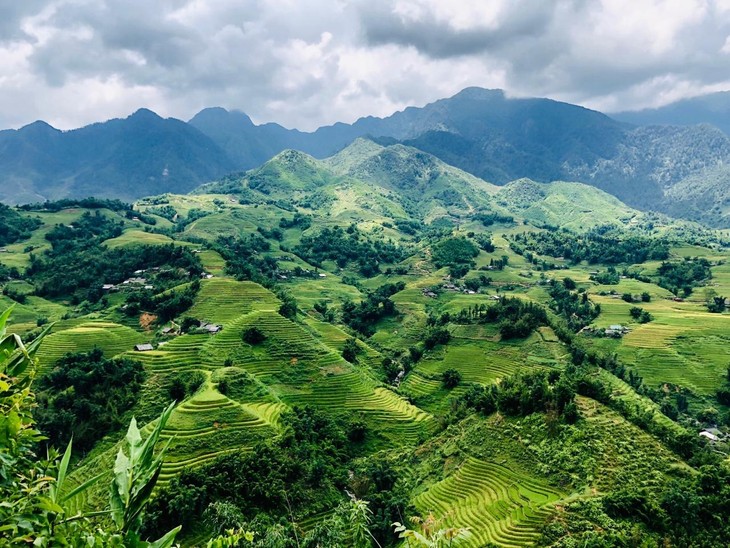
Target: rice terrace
<point x="491" y="320"/>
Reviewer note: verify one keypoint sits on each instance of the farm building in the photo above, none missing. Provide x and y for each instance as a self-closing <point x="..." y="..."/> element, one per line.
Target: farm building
<point x="710" y="436"/>
<point x="210" y="327"/>
<point x="143" y="347"/>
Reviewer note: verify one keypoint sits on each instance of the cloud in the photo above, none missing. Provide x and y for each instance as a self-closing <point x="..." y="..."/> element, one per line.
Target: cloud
<point x="305" y="64"/>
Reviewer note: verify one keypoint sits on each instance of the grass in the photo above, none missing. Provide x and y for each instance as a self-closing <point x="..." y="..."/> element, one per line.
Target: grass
<point x="497" y="504"/>
<point x="222" y="300"/>
<point x="111" y="338"/>
<point x="140" y="237"/>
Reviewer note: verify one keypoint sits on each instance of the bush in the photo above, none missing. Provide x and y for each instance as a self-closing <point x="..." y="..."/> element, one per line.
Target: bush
<point x="86" y="396"/>
<point x="350" y="350"/>
<point x="253" y="335"/>
<point x="451" y="378"/>
<point x="186" y="384"/>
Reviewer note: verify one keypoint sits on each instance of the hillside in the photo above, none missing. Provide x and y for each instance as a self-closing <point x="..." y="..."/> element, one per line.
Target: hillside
<point x="139" y="155"/>
<point x="482" y="132"/>
<point x="528" y="362"/>
<point x="713" y="109"/>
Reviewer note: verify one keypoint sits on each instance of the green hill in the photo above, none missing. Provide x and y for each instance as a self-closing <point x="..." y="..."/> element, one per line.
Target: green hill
<point x="382" y="324"/>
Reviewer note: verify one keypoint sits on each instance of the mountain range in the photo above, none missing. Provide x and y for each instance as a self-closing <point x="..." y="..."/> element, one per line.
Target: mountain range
<point x="672" y="168"/>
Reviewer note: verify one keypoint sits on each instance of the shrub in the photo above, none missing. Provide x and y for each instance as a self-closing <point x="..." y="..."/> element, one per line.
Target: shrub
<point x="253" y="335"/>
<point x="451" y="378"/>
<point x="350" y="350"/>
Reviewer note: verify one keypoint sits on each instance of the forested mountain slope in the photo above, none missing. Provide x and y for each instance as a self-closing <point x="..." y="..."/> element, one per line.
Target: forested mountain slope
<point x="522" y="365"/>
<point x="483" y="132"/>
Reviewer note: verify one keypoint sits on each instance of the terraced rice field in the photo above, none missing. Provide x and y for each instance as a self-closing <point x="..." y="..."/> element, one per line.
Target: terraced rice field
<point x="621" y="451"/>
<point x="693" y="350"/>
<point x="140" y="237"/>
<point x="180" y="354"/>
<point x="222" y="300"/>
<point x="343" y="388"/>
<point x="111" y="338"/>
<point x="498" y="504"/>
<point x="485" y="361"/>
<point x="210" y="424"/>
<point x="622" y="391"/>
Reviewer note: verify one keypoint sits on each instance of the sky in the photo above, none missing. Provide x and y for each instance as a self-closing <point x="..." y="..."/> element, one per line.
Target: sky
<point x="309" y="63"/>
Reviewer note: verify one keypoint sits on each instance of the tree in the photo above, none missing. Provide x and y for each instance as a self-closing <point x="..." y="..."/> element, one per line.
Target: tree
<point x="430" y="534"/>
<point x="253" y="335"/>
<point x="717" y="304"/>
<point x="350" y="350"/>
<point x="35" y="509"/>
<point x="288" y="307"/>
<point x="451" y="378"/>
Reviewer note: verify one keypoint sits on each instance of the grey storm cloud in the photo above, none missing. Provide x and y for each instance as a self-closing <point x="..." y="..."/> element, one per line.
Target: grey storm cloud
<point x="307" y="63"/>
<point x="440" y="39"/>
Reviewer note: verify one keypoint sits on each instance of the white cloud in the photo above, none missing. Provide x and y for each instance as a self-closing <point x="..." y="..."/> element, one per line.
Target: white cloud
<point x="305" y="64"/>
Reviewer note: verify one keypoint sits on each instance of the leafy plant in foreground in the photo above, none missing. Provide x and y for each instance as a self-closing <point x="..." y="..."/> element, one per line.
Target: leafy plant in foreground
<point x="33" y="491"/>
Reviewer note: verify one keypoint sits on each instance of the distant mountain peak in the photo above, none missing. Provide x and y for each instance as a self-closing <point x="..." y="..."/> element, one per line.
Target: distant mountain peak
<point x="220" y="115"/>
<point x="144" y="114"/>
<point x="474" y="92"/>
<point x="39" y="127"/>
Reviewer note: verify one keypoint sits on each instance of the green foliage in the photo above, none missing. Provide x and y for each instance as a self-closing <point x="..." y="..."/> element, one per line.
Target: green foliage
<point x="453" y="251"/>
<point x="431" y="535"/>
<point x="517" y="318"/>
<point x="303" y="222"/>
<point x="684" y="275"/>
<point x="85" y="396"/>
<point x="85" y="203"/>
<point x="640" y="315"/>
<point x="350" y="350"/>
<point x="348" y="246"/>
<point x="451" y="378"/>
<point x="595" y="246"/>
<point x="15" y="227"/>
<point x="78" y="264"/>
<point x="289" y="306"/>
<point x="185" y="384"/>
<point x="606" y="277"/>
<point x="363" y="317"/>
<point x="135" y="476"/>
<point x="35" y="498"/>
<point x="166" y="305"/>
<point x="488" y="219"/>
<point x="575" y="307"/>
<point x="244" y="258"/>
<point x="305" y="467"/>
<point x="717" y="304"/>
<point x="435" y="336"/>
<point x="253" y="335"/>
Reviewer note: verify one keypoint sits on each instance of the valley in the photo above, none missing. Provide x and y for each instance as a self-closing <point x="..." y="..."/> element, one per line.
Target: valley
<point x="385" y="325"/>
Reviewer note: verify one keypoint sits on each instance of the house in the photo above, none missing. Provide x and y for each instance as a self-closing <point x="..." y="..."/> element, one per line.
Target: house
<point x="709" y="436"/>
<point x="321" y="275"/>
<point x="3" y="249"/>
<point x="210" y="327"/>
<point x="143" y="347"/>
<point x="108" y="287"/>
<point x="168" y="331"/>
<point x="616" y="331"/>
